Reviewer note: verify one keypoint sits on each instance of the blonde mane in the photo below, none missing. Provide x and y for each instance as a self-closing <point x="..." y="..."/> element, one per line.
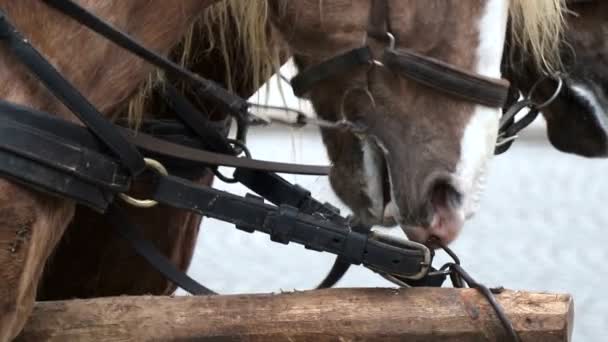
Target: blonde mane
<point x="536" y="26"/>
<point x="251" y="45"/>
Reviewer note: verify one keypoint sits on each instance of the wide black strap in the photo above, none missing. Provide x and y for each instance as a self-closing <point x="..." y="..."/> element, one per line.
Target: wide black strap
<point x="126" y="229"/>
<point x="63" y="155"/>
<point x="447" y="78"/>
<point x="305" y="80"/>
<point x="206" y="88"/>
<point x="70" y="97"/>
<point x="280" y="192"/>
<point x="152" y="146"/>
<point x="50" y="180"/>
<point x="286" y="224"/>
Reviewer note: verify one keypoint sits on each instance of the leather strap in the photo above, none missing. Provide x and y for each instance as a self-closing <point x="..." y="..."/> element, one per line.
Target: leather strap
<point x="154" y="146"/>
<point x="63" y="155"/>
<point x="195" y="120"/>
<point x="379" y="24"/>
<point x="206" y="88"/>
<point x="280" y="192"/>
<point x="286" y="224"/>
<point x="428" y="71"/>
<point x="307" y="79"/>
<point x="447" y="78"/>
<point x="122" y="226"/>
<point x="69" y="96"/>
<point x="50" y="180"/>
<point x="73" y="135"/>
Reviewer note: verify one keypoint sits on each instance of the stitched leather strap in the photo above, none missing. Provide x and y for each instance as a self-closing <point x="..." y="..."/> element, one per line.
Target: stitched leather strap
<point x="286" y="224"/>
<point x="447" y="78"/>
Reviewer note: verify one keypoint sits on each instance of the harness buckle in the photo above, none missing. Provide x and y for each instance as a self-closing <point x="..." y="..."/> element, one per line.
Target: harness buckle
<point x="402" y="243"/>
<point x="153" y="165"/>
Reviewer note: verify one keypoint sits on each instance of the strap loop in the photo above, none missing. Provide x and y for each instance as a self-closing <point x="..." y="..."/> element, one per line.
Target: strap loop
<point x="153" y="165"/>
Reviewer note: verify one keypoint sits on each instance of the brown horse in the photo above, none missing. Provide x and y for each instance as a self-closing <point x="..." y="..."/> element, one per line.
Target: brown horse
<point x="79" y="267"/>
<point x="420" y="164"/>
<point x="31" y="224"/>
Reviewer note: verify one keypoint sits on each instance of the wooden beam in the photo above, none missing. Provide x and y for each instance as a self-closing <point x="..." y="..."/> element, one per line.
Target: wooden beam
<point x="417" y="314"/>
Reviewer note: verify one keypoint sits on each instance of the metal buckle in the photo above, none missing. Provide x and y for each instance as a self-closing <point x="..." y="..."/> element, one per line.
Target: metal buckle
<point x="138" y="203"/>
<point x="399" y="242"/>
<point x="392" y="43"/>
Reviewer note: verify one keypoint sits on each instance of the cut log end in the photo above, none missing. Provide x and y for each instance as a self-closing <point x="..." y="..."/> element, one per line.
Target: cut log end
<point x="416" y="314"/>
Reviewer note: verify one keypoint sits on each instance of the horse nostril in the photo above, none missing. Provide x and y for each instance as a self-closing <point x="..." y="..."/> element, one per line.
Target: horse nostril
<point x="444" y="195"/>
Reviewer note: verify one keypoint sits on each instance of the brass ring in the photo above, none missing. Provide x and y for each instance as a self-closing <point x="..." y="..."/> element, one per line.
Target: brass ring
<point x="145" y="204"/>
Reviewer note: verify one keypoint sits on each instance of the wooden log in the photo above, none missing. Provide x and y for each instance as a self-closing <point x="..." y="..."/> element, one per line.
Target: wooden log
<point x="417" y="314"/>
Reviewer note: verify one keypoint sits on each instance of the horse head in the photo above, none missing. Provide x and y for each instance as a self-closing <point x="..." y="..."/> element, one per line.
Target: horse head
<point x="576" y="120"/>
<point x="422" y="153"/>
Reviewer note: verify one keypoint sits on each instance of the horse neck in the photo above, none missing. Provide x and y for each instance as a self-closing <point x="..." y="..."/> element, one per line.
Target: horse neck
<point x="106" y="74"/>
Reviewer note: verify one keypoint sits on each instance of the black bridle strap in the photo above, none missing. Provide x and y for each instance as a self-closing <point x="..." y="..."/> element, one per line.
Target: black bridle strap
<point x="197" y="121"/>
<point x="286" y="224"/>
<point x="53" y="181"/>
<point x="70" y="97"/>
<point x="206" y="88"/>
<point x="200" y="157"/>
<point x="440" y="76"/>
<point x="379" y="21"/>
<point x="307" y="79"/>
<point x="63" y="155"/>
<point x="67" y="137"/>
<point x="121" y="224"/>
<point x="447" y="78"/>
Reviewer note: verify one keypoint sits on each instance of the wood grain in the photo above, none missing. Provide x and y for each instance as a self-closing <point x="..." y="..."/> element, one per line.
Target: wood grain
<point x="374" y="314"/>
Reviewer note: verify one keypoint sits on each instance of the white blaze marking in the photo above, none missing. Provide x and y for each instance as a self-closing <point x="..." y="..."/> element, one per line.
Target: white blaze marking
<point x="586" y="94"/>
<point x="479" y="138"/>
<point x="374" y="189"/>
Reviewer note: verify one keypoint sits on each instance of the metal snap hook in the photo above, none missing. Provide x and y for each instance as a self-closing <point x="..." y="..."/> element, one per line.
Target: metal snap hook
<point x="391" y="40"/>
<point x="560" y="85"/>
<point x="377" y="63"/>
<point x="138" y="203"/>
<point x="502" y="140"/>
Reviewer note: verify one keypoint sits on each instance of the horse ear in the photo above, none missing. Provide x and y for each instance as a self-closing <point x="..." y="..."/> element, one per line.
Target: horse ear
<point x="577" y="121"/>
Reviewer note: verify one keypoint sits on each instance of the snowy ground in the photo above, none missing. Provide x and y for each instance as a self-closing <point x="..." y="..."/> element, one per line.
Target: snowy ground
<point x="540" y="227"/>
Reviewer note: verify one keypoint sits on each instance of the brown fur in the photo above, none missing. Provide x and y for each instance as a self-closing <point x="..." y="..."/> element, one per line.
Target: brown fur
<point x="418" y="130"/>
<point x="429" y="141"/>
<point x="91" y="260"/>
<point x="107" y="76"/>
